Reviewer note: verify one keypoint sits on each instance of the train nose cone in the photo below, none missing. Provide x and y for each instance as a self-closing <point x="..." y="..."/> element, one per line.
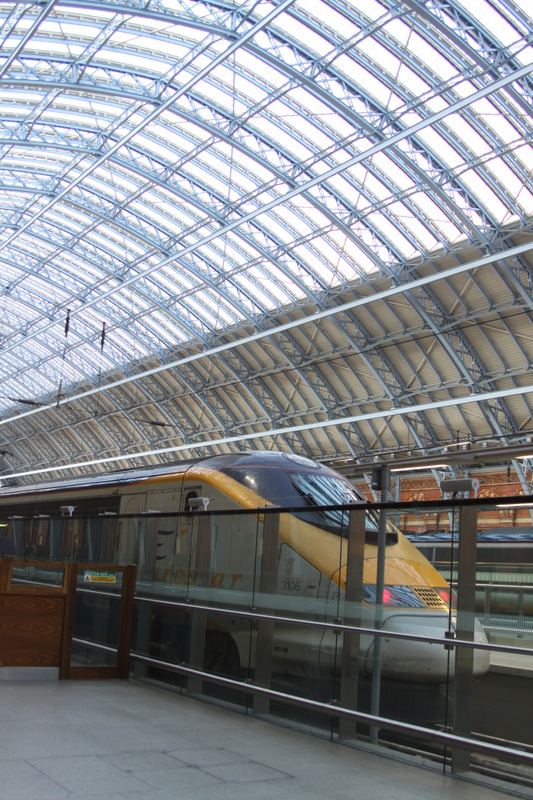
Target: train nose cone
<point x="417" y="659"/>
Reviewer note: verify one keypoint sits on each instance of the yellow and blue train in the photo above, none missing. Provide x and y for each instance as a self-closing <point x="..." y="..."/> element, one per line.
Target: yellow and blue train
<point x="158" y="512"/>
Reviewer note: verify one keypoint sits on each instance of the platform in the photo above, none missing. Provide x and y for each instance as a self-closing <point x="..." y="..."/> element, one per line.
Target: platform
<point x="114" y="740"/>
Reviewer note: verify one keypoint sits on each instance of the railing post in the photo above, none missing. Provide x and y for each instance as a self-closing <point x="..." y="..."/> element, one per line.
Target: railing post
<point x="265" y="628"/>
<point x="199" y="616"/>
<point x="383" y="478"/>
<point x="6" y="565"/>
<point x="351" y="639"/>
<point x="464" y="656"/>
<point x="126" y="621"/>
<point x="70" y="585"/>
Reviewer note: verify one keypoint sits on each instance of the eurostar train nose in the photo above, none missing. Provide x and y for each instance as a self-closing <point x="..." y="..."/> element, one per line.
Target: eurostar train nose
<point x="422" y="661"/>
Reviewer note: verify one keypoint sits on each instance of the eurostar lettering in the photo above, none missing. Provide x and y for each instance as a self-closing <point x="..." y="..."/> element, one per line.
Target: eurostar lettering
<point x="182" y="577"/>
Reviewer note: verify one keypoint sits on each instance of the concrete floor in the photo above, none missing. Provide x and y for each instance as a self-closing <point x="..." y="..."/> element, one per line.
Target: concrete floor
<point x="112" y="740"/>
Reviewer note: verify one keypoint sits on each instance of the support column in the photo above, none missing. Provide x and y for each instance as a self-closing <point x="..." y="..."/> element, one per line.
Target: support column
<point x="380" y="480"/>
<point x="265" y="628"/>
<point x="464" y="656"/>
<point x="351" y="639"/>
<point x="202" y="572"/>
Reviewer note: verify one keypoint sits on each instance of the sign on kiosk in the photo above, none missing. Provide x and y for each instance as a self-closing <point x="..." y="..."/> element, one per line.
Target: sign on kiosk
<point x="91" y="576"/>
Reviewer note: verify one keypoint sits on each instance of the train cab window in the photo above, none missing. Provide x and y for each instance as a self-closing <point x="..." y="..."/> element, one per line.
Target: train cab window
<point x="304" y="487"/>
<point x="299" y="488"/>
<point x="325" y="490"/>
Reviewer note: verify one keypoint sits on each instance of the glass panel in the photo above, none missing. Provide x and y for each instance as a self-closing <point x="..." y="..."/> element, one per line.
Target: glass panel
<point x="27" y="575"/>
<point x="35" y="537"/>
<point x="11" y="537"/>
<point x="96" y="617"/>
<point x="57" y="538"/>
<point x="261" y="599"/>
<point x="504" y="603"/>
<point x="160" y="630"/>
<point x="101" y="540"/>
<point x="66" y="539"/>
<point x="202" y="557"/>
<point x="203" y="560"/>
<point x="306" y="662"/>
<point x="488" y="564"/>
<point x="299" y="580"/>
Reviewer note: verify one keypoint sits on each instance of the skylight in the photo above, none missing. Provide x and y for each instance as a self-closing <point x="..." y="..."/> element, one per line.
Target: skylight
<point x="118" y="184"/>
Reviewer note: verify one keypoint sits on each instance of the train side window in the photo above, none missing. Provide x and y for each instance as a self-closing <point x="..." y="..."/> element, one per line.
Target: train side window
<point x="7" y="543"/>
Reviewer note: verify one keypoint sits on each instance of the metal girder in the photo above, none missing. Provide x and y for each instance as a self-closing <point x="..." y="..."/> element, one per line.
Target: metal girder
<point x="279" y="159"/>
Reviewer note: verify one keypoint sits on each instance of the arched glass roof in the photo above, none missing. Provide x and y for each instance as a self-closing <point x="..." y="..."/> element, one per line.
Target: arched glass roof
<point x="302" y="224"/>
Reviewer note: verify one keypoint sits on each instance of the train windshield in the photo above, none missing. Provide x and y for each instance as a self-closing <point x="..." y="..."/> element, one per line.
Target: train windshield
<point x="327" y="490"/>
<point x="295" y="483"/>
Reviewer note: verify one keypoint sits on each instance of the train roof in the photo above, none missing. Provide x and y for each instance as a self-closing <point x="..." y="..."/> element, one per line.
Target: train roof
<point x="90" y="481"/>
<point x="272" y="458"/>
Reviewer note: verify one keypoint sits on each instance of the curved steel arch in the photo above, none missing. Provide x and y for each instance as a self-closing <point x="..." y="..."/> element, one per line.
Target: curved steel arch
<point x="292" y="247"/>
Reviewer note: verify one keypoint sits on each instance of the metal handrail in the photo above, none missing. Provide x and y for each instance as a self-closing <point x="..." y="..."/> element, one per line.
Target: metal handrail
<point x="335" y="710"/>
<point x="331" y="708"/>
<point x="337" y="626"/>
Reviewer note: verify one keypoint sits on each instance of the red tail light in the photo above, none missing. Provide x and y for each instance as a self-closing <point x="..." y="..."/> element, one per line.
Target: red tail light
<point x="447" y="595"/>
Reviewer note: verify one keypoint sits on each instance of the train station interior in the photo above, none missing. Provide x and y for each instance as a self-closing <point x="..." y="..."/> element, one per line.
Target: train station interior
<point x="266" y="429"/>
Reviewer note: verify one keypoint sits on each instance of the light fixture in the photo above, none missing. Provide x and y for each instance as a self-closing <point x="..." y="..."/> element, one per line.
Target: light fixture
<point x="420" y="467"/>
<point x="514" y="505"/>
<point x="454" y="485"/>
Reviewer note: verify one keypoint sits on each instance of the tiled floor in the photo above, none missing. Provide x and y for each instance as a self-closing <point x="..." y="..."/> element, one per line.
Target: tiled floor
<point x="112" y="740"/>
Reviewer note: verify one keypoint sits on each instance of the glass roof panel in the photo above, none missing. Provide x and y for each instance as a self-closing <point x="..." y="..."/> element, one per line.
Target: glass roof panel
<point x="491" y="19"/>
<point x="124" y="196"/>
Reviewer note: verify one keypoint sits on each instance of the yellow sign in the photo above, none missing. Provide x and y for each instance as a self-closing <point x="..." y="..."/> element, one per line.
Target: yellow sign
<point x="90" y="576"/>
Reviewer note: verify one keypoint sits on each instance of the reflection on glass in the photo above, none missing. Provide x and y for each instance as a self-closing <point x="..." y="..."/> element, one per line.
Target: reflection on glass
<point x="259" y="596"/>
<point x="27" y="575"/>
<point x="199" y="556"/>
<point x="96" y="620"/>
